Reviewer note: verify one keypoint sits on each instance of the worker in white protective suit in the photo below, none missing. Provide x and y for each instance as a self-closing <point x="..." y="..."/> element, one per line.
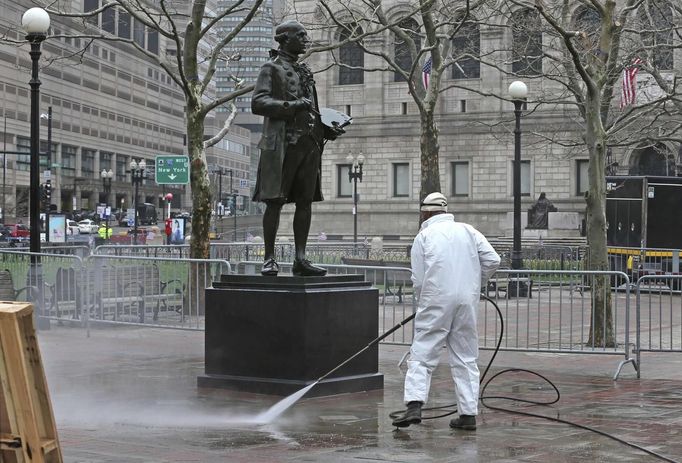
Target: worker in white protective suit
<point x="450" y="263"/>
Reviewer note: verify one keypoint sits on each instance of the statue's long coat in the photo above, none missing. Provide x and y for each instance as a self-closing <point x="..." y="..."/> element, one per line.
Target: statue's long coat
<point x="278" y="83"/>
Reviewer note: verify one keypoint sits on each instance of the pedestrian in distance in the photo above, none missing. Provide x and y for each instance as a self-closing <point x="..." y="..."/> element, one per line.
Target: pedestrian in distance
<point x="451" y="262"/>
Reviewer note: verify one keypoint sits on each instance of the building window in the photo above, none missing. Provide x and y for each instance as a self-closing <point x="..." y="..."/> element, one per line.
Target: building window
<point x="109" y="20"/>
<point x="121" y="166"/>
<point x="105" y="160"/>
<point x="460" y="178"/>
<point x="466" y="48"/>
<point x="69" y="159"/>
<point x="24" y="160"/>
<point x="401" y="52"/>
<point x="351" y="55"/>
<point x="91" y="5"/>
<point x="138" y="33"/>
<point x="525" y="178"/>
<point x="657" y="28"/>
<point x="124" y="24"/>
<point x="153" y="41"/>
<point x="87" y="162"/>
<point x="401" y="180"/>
<point x="582" y="181"/>
<point x="344" y="187"/>
<point x="526" y="43"/>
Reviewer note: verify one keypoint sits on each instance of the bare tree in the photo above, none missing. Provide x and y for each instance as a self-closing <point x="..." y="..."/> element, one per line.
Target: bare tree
<point x="192" y="32"/>
<point x="422" y="32"/>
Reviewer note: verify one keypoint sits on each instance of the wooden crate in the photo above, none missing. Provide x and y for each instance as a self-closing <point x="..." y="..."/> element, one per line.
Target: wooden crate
<point x="27" y="428"/>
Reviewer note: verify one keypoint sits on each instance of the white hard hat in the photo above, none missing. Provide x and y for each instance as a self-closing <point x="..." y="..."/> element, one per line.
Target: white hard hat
<point x="434" y="202"/>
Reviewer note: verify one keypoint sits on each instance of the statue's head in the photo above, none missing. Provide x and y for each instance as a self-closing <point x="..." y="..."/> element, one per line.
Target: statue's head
<point x="292" y="37"/>
<point x="542" y="196"/>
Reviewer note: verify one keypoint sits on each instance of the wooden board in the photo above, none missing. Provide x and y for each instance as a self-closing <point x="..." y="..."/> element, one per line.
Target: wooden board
<point x="27" y="428"/>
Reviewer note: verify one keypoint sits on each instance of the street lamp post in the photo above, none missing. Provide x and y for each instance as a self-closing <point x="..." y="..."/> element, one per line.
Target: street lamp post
<point x="35" y="22"/>
<point x="137" y="174"/>
<point x="107" y="176"/>
<point x="355" y="174"/>
<point x="518" y="92"/>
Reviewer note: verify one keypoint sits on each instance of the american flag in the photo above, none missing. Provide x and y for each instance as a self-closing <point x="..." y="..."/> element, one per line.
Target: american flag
<point x="426" y="72"/>
<point x="629" y="91"/>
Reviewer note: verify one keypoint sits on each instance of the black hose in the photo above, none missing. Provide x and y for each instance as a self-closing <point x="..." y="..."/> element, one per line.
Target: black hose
<point x="483" y="398"/>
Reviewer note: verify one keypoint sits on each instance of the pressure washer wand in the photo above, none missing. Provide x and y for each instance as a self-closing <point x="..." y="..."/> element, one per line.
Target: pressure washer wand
<point x="375" y="341"/>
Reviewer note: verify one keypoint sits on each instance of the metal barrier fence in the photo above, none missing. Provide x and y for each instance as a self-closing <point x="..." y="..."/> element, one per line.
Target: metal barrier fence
<point x="152" y="291"/>
<point x="34" y="277"/>
<point x="326" y="253"/>
<point x="543" y="311"/>
<point x="556" y="311"/>
<point x="659" y="314"/>
<point x="638" y="262"/>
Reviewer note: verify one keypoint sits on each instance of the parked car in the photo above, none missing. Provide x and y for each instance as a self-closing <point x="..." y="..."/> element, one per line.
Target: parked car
<point x="88" y="226"/>
<point x="72" y="227"/>
<point x="14" y="233"/>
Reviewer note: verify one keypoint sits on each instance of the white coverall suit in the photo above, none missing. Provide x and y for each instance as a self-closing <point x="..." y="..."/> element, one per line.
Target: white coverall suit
<point x="450" y="262"/>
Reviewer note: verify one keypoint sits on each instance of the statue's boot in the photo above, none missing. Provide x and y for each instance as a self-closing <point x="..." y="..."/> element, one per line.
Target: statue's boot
<point x="270" y="268"/>
<point x="303" y="268"/>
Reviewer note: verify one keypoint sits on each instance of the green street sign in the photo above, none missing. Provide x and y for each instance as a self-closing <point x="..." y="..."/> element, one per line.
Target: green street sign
<point x="172" y="170"/>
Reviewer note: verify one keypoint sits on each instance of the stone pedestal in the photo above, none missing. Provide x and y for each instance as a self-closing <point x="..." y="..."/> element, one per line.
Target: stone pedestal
<point x="275" y="335"/>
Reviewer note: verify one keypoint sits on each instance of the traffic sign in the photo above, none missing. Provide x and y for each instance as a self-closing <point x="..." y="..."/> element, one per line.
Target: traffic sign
<point x="243" y="183"/>
<point x="172" y="170"/>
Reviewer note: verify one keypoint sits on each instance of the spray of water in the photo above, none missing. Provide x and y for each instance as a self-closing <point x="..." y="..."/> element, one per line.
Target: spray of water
<point x="283" y="405"/>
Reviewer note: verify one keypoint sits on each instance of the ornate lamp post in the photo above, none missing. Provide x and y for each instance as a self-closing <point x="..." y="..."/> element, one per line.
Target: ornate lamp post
<point x="355" y="174"/>
<point x="107" y="176"/>
<point x="138" y="173"/>
<point x="518" y="92"/>
<point x="35" y="22"/>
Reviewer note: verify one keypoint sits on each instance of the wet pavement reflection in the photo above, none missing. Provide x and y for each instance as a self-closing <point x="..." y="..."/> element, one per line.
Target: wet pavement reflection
<point x="129" y="394"/>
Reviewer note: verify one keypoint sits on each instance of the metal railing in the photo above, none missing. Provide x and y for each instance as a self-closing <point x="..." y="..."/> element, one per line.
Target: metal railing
<point x="659" y="314"/>
<point x="153" y="291"/>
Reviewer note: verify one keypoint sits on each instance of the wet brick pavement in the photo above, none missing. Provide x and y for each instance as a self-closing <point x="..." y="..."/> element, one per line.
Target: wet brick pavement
<point x="128" y="394"/>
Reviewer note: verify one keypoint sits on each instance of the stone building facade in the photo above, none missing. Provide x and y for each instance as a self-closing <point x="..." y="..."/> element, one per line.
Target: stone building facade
<point x="110" y="105"/>
<point x="476" y="144"/>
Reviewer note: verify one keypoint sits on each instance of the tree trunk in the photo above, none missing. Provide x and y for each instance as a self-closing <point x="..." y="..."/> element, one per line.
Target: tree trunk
<point x="201" y="186"/>
<point x="601" y="329"/>
<point x="430" y="178"/>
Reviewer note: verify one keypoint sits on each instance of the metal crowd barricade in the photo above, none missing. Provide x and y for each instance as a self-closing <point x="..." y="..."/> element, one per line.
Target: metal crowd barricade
<point x="149" y="291"/>
<point x="556" y="311"/>
<point x="659" y="314"/>
<point x="175" y="251"/>
<point x="43" y="278"/>
<point x="638" y="262"/>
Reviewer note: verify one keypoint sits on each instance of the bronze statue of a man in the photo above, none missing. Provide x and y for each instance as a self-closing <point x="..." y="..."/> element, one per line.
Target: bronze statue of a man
<point x="291" y="146"/>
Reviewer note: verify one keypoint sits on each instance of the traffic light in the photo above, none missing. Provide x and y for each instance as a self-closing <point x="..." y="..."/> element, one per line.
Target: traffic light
<point x="45" y="195"/>
<point x="48" y="191"/>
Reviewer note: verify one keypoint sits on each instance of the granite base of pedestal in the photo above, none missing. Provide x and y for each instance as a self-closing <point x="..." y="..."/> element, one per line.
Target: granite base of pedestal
<point x="276" y="335"/>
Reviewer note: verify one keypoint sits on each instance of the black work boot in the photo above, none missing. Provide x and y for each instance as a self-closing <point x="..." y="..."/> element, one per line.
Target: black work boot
<point x="466" y="422"/>
<point x="413" y="415"/>
<point x="303" y="268"/>
<point x="270" y="268"/>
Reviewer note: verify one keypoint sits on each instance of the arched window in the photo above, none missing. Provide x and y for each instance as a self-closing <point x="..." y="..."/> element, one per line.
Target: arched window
<point x="656" y="19"/>
<point x="351" y="54"/>
<point x="654" y="160"/>
<point x="401" y="51"/>
<point x="587" y="20"/>
<point x="526" y="43"/>
<point x="466" y="41"/>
